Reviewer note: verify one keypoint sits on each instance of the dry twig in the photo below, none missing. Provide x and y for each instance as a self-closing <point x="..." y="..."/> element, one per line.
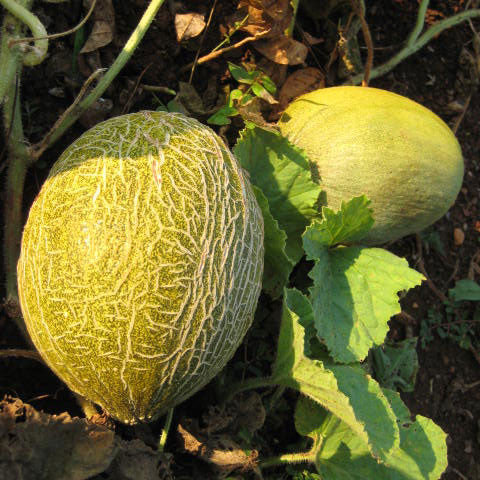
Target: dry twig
<point x="201" y="42"/>
<point x="357" y="7"/>
<point x="218" y="53"/>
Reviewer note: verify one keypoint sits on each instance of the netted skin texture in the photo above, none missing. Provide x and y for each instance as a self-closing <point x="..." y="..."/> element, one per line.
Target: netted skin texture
<point x="141" y="263"/>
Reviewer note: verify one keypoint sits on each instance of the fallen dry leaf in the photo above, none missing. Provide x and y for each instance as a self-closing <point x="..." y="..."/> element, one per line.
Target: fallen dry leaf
<point x="299" y="82"/>
<point x="38" y="446"/>
<point x="284" y="50"/>
<point x="137" y="461"/>
<point x="272" y="16"/>
<point x="103" y="25"/>
<point x="188" y="25"/>
<point x="458" y="236"/>
<point x="218" y="450"/>
<point x="245" y="411"/>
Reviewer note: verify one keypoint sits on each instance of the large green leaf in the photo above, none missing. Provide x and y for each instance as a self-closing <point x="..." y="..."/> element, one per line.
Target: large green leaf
<point x="348" y="225"/>
<point x="354" y="293"/>
<point x="277" y="266"/>
<point x="282" y="172"/>
<point x="341" y="455"/>
<point x="345" y="390"/>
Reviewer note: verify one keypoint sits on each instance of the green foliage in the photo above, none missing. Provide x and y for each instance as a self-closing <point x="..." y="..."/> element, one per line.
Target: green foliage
<point x="355" y="289"/>
<point x="340" y="455"/>
<point x="282" y="172"/>
<point x="395" y="364"/>
<point x="258" y="85"/>
<point x="358" y="428"/>
<point x="462" y="313"/>
<point x="345" y="390"/>
<point x="277" y="266"/>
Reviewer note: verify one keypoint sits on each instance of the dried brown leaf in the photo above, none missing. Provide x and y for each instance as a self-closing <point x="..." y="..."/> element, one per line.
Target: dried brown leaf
<point x="283" y="50"/>
<point x="103" y="26"/>
<point x="188" y="25"/>
<point x="38" y="446"/>
<point x="245" y="411"/>
<point x="299" y="82"/>
<point x="137" y="461"/>
<point x="273" y="16"/>
<point x="218" y="450"/>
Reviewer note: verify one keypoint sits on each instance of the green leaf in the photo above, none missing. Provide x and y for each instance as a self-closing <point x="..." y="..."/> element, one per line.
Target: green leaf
<point x="396" y="364"/>
<point x="354" y="294"/>
<point x="278" y="266"/>
<point x="422" y="453"/>
<point x="345" y="390"/>
<point x="262" y="93"/>
<point x="241" y="75"/>
<point x="220" y="117"/>
<point x="465" y="290"/>
<point x="234" y="95"/>
<point x="348" y="225"/>
<point x="282" y="172"/>
<point x="268" y="83"/>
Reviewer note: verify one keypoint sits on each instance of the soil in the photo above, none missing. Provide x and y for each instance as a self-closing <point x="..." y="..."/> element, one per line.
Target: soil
<point x="439" y="76"/>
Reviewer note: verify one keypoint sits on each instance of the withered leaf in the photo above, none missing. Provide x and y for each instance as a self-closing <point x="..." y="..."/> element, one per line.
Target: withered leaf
<point x="137" y="461"/>
<point x="38" y="446"/>
<point x="218" y="450"/>
<point x="103" y="26"/>
<point x="299" y="82"/>
<point x="245" y="411"/>
<point x="188" y="25"/>
<point x="284" y="50"/>
<point x="273" y="16"/>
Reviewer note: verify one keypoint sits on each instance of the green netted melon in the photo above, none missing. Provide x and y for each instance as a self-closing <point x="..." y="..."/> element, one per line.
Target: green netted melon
<point x="141" y="263"/>
<point x="402" y="156"/>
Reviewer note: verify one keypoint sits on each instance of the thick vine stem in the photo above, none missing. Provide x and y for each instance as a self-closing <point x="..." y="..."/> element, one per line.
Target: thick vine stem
<point x="18" y="163"/>
<point x="105" y="82"/>
<point x="414" y="44"/>
<point x="33" y="55"/>
<point x="10" y="57"/>
<point x="422" y="11"/>
<point x="302" y="457"/>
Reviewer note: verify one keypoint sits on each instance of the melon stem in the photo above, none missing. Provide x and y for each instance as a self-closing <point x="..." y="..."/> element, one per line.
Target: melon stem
<point x="88" y="408"/>
<point x="166" y="427"/>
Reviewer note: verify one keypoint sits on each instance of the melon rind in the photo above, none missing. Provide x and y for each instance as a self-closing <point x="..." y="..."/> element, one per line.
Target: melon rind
<point x="141" y="263"/>
<point x="368" y="141"/>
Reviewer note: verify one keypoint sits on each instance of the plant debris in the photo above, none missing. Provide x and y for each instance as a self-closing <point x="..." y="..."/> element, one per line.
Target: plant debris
<point x="38" y="446"/>
<point x="188" y="25"/>
<point x="103" y="26"/>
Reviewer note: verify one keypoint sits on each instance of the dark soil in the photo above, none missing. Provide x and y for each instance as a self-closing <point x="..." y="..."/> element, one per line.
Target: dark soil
<point x="437" y="76"/>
